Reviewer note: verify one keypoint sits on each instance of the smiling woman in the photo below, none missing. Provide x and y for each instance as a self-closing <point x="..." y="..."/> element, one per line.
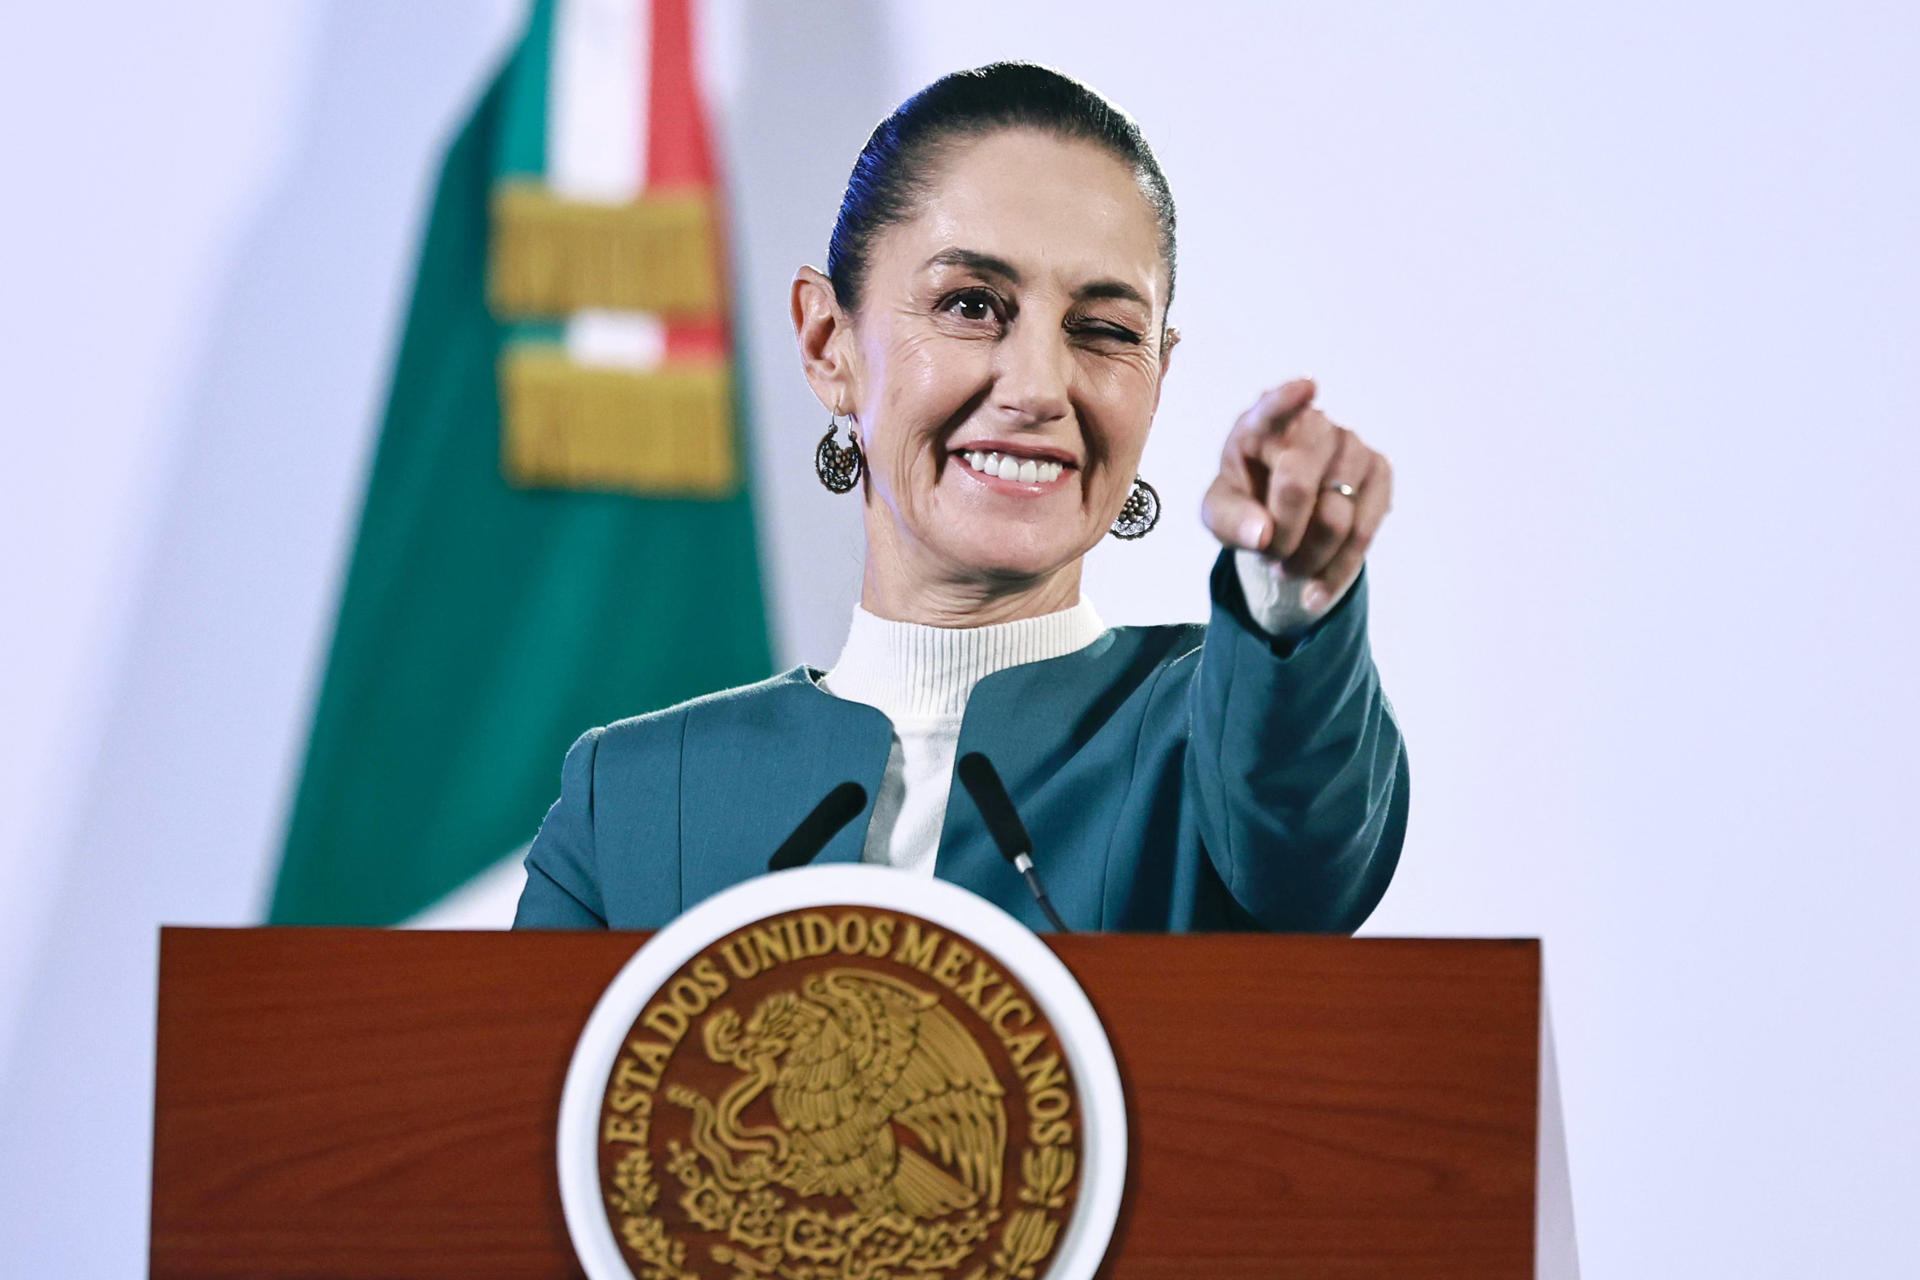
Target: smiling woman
<point x="993" y="322"/>
<point x="1018" y="317"/>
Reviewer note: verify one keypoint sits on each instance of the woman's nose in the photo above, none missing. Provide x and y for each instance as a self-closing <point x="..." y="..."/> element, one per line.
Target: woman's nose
<point x="1034" y="375"/>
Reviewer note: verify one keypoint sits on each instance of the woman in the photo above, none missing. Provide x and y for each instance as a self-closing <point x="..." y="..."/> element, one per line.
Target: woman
<point x="993" y="319"/>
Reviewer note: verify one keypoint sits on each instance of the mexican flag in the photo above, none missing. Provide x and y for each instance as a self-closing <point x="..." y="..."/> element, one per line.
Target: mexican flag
<point x="557" y="529"/>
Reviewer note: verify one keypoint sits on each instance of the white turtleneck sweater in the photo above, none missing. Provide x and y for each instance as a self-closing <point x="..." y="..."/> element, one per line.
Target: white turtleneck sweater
<point x="921" y="678"/>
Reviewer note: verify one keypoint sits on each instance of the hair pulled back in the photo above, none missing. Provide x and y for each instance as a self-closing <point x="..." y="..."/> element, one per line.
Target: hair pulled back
<point x="891" y="176"/>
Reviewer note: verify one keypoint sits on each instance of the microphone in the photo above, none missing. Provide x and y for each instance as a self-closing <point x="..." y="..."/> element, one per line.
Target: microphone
<point x="983" y="783"/>
<point x="842" y="805"/>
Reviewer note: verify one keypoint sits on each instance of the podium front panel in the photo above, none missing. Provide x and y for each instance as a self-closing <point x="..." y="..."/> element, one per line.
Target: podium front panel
<point x="350" y="1103"/>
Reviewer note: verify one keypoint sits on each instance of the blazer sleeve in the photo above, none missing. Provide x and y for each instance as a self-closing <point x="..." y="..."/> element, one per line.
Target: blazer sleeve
<point x="563" y="889"/>
<point x="1295" y="764"/>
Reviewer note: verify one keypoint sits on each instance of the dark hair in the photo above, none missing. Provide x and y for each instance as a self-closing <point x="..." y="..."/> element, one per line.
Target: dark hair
<point x="891" y="175"/>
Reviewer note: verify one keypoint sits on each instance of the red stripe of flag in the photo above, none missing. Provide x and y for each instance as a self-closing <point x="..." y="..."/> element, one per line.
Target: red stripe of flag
<point x="680" y="157"/>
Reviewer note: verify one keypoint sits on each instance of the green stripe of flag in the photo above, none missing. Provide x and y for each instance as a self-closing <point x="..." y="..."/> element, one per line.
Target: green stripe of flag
<point x="483" y="627"/>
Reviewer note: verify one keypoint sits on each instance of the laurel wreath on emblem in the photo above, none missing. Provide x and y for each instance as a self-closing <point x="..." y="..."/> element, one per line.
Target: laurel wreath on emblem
<point x="845" y="1058"/>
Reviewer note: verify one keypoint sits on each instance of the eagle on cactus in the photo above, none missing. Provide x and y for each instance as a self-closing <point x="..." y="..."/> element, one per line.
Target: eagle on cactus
<point x="879" y="1094"/>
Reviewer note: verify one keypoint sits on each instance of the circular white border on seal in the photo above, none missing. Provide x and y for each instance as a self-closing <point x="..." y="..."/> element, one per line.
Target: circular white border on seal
<point x="1103" y="1128"/>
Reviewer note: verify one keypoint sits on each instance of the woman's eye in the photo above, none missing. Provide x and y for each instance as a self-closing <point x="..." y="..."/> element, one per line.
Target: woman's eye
<point x="971" y="306"/>
<point x="1110" y="333"/>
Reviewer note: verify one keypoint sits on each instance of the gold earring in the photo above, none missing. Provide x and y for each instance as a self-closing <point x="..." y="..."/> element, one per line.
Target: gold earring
<point x="1138" y="514"/>
<point x="839" y="466"/>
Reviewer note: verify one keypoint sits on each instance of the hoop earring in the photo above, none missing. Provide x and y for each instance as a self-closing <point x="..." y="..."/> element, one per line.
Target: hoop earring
<point x="1138" y="514"/>
<point x="839" y="466"/>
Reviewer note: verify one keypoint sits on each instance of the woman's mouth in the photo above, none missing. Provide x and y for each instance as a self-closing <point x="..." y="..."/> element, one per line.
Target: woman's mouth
<point x="1011" y="468"/>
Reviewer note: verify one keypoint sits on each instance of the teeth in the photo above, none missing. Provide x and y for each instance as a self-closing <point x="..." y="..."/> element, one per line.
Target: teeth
<point x="1007" y="467"/>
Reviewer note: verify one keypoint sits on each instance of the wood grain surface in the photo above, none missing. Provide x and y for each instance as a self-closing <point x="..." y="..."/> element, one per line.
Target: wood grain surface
<point x="351" y="1103"/>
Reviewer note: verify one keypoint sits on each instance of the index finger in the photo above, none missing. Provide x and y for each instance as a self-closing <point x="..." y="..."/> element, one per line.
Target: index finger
<point x="1269" y="415"/>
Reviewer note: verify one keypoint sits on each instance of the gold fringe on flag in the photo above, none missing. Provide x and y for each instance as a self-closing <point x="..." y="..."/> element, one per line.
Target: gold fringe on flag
<point x="662" y="432"/>
<point x="551" y="256"/>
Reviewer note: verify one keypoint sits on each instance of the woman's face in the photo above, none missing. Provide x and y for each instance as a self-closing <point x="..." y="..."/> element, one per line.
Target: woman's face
<point x="1007" y="358"/>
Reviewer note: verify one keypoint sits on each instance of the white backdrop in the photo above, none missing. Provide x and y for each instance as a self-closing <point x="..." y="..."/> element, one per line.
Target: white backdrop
<point x="1626" y="293"/>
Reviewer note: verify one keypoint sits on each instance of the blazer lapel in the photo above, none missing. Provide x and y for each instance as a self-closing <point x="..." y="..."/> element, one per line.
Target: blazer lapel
<point x="1030" y="721"/>
<point x="754" y="768"/>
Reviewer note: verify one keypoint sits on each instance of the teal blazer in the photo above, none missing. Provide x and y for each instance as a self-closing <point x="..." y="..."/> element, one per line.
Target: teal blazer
<point x="1173" y="778"/>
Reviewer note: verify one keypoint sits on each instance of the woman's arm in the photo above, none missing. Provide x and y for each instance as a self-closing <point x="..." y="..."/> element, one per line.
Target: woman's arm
<point x="562" y="883"/>
<point x="1295" y="764"/>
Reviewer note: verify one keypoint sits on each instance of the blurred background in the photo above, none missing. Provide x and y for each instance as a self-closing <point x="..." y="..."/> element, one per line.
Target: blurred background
<point x="1627" y="292"/>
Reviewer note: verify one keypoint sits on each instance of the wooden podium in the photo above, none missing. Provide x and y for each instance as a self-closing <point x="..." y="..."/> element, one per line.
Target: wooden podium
<point x="350" y="1103"/>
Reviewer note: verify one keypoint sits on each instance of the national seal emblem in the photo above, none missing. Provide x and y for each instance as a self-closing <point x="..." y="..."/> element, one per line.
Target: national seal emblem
<point x="844" y="1089"/>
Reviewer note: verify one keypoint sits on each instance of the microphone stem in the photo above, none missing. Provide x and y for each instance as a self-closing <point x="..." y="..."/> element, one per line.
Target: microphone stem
<point x="1024" y="865"/>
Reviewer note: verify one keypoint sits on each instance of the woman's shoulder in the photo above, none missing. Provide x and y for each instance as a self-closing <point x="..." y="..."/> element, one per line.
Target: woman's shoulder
<point x="741" y="699"/>
<point x="1122" y="662"/>
<point x="789" y="701"/>
<point x="1160" y="643"/>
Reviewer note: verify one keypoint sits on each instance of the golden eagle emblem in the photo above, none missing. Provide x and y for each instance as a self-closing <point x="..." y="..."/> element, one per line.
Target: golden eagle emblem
<point x="894" y="1106"/>
<point x="880" y="1096"/>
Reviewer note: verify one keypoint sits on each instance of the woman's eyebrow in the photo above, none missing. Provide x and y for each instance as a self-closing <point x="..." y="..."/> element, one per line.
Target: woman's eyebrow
<point x="984" y="263"/>
<point x="1111" y="289"/>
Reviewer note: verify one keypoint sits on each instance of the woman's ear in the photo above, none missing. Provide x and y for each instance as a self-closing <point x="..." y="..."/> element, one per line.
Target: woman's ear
<point x="825" y="335"/>
<point x="1169" y="339"/>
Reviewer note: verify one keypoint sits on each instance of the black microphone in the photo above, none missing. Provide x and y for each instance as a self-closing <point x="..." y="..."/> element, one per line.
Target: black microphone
<point x="842" y="805"/>
<point x="983" y="783"/>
